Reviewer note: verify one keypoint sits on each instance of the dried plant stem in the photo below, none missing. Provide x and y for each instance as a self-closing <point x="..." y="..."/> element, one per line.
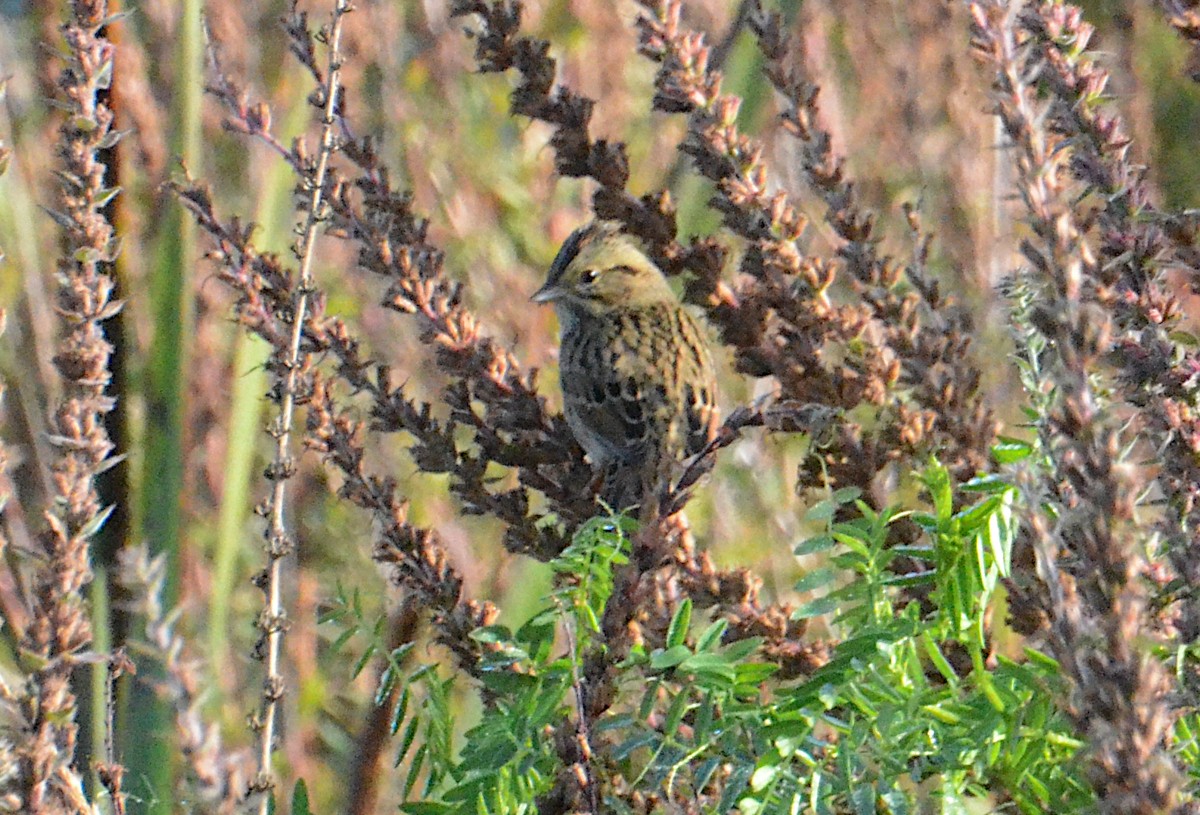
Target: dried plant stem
<point x="780" y="318"/>
<point x="1090" y="548"/>
<point x="109" y="770"/>
<point x="279" y="543"/>
<point x="368" y="777"/>
<point x="1137" y="243"/>
<point x="60" y="630"/>
<point x="218" y="778"/>
<point x="413" y="557"/>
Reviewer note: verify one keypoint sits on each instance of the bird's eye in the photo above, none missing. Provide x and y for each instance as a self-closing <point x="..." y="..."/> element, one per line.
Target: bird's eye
<point x="590" y="276"/>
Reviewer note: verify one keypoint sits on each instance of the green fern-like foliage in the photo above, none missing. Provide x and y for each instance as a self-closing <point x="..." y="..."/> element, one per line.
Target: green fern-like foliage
<point x="914" y="707"/>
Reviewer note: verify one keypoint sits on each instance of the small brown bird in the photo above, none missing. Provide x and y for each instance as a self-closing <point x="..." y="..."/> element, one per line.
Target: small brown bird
<point x="639" y="391"/>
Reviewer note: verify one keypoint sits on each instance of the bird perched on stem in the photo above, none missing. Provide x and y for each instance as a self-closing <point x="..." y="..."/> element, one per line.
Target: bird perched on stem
<point x="639" y="391"/>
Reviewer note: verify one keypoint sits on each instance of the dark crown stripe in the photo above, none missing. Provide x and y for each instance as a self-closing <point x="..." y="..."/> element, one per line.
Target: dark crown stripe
<point x="569" y="251"/>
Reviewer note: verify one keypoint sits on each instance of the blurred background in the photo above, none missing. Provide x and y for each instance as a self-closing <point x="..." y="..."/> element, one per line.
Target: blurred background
<point x="900" y="93"/>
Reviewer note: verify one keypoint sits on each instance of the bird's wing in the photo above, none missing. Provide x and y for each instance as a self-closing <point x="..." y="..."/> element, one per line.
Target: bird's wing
<point x="640" y="386"/>
<point x="696" y="386"/>
<point x="605" y="404"/>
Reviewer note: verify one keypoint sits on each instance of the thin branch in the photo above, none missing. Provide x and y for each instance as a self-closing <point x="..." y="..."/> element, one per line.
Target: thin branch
<point x="273" y="621"/>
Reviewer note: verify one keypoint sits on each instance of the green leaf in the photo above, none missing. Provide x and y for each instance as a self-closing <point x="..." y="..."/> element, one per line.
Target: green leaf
<point x="102" y="78"/>
<point x="1011" y="450"/>
<point x="400" y="712"/>
<point x="896" y="801"/>
<point x="816" y="579"/>
<point x="610" y="723"/>
<point x="97" y="521"/>
<point x="704" y="772"/>
<point x="105" y="195"/>
<point x="999" y="538"/>
<point x="763" y="777"/>
<point x="385" y="685"/>
<point x="414" y="769"/>
<point x="753" y="673"/>
<point x="986" y="484"/>
<point x="926" y="521"/>
<point x="507" y="682"/>
<point x="588" y="617"/>
<point x="342" y="639"/>
<point x="938" y="659"/>
<point x="846" y="495"/>
<point x="491" y="634"/>
<point x="539" y="627"/>
<point x="113" y="19"/>
<point x="300" y="799"/>
<point x="811" y="546"/>
<point x="626" y="748"/>
<point x="675" y="713"/>
<point x="709" y="664"/>
<point x="1184" y="338"/>
<point x="648" y="700"/>
<point x="111" y="139"/>
<point x="816" y="608"/>
<point x="363" y="660"/>
<point x="862" y="799"/>
<point x="821" y="512"/>
<point x="937" y="480"/>
<point x="976" y="516"/>
<point x="1037" y="657"/>
<point x="922" y="552"/>
<point x="855" y="540"/>
<point x="426" y="808"/>
<point x="677" y="631"/>
<point x="662" y="660"/>
<point x="87" y="124"/>
<point x="706" y="712"/>
<point x="742" y="648"/>
<point x="711" y="637"/>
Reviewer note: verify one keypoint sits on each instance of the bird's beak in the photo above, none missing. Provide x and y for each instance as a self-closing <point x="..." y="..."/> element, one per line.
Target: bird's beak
<point x="547" y="293"/>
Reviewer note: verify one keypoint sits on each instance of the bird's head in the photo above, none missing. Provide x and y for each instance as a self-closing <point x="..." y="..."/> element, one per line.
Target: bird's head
<point x="600" y="268"/>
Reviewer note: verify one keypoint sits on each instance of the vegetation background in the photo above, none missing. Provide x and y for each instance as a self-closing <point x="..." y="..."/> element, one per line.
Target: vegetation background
<point x="909" y="94"/>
